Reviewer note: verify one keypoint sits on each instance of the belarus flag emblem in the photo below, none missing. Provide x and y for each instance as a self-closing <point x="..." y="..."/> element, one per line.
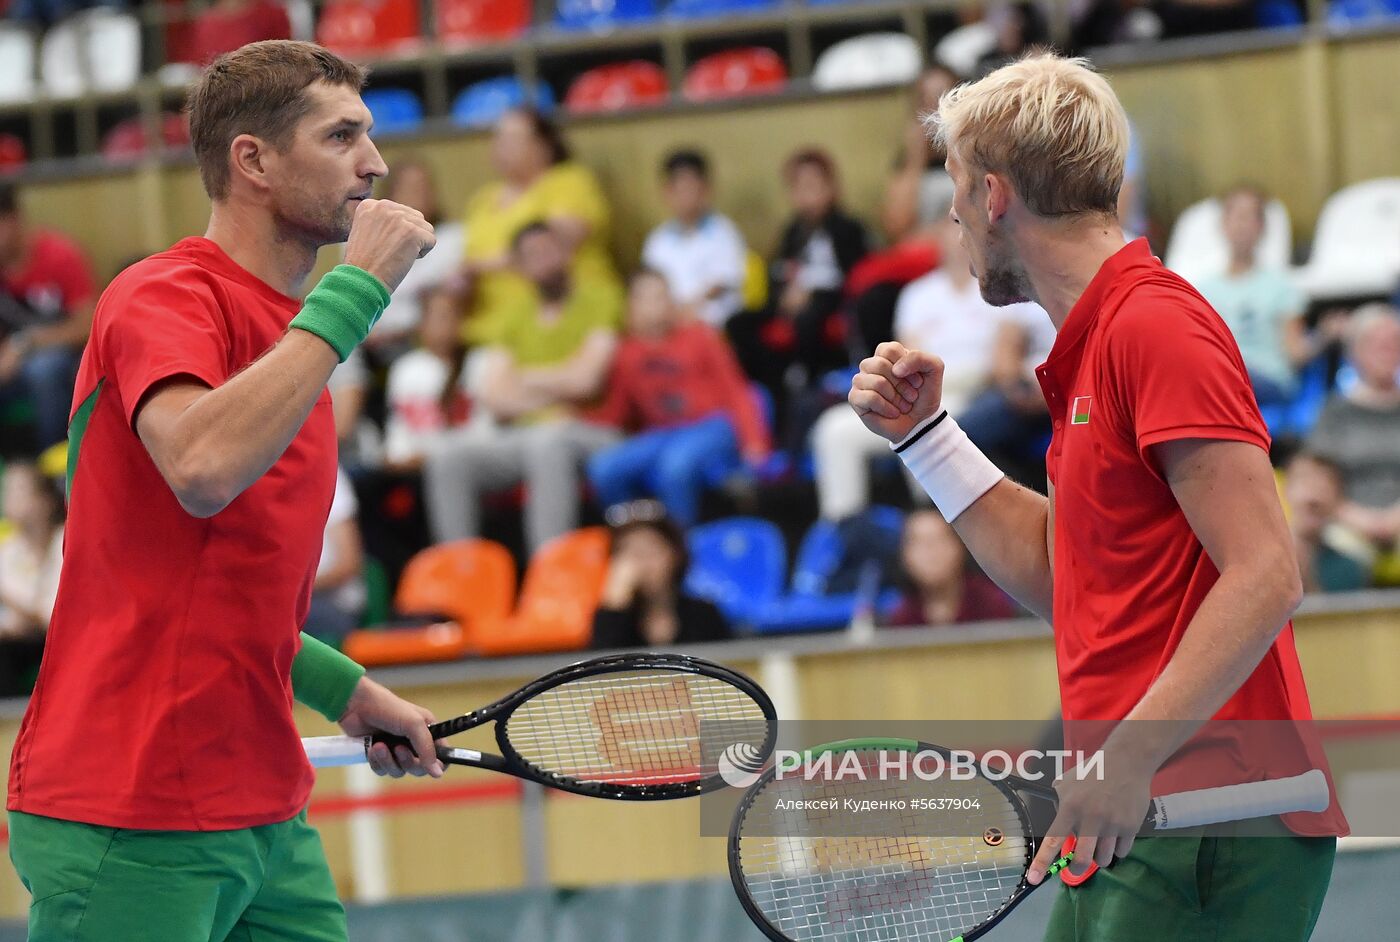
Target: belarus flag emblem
<point x="1079" y="415"/>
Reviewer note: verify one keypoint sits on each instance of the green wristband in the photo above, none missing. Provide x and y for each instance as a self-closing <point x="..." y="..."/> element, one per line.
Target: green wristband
<point x="342" y="308"/>
<point x="323" y="678"/>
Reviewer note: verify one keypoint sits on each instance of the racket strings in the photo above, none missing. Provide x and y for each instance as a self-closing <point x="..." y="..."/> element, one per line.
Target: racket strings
<point x="637" y="728"/>
<point x="819" y="873"/>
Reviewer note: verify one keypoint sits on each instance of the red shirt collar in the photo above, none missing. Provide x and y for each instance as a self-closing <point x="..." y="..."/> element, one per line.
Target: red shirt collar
<point x="1127" y="264"/>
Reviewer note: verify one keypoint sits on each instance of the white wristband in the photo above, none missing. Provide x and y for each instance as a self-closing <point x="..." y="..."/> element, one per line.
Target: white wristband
<point x="946" y="464"/>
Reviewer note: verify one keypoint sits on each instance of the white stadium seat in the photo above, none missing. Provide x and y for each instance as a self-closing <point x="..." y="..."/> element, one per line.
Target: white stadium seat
<point x="1356" y="249"/>
<point x="1197" y="248"/>
<point x="868" y="61"/>
<point x="96" y="50"/>
<point x="16" y="64"/>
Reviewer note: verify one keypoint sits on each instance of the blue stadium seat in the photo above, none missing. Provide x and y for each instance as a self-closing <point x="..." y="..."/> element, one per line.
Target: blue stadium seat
<point x="603" y="14"/>
<point x="1347" y="13"/>
<point x="395" y="110"/>
<point x="1297" y="417"/>
<point x="480" y="105"/>
<point x="689" y="9"/>
<point x="1272" y="14"/>
<point x="808" y="606"/>
<point x="738" y="563"/>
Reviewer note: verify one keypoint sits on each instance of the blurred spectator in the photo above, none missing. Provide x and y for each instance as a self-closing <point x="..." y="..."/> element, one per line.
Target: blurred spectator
<point x="1019" y="27"/>
<point x="227" y="25"/>
<point x="429" y="389"/>
<point x="51" y="292"/>
<point x="643" y="603"/>
<point x="942" y="587"/>
<point x="677" y="383"/>
<point x="411" y="182"/>
<point x="552" y="354"/>
<point x="820" y="245"/>
<point x="1132" y="195"/>
<point x="699" y="251"/>
<point x="1107" y="22"/>
<point x="1263" y="309"/>
<point x="989" y="385"/>
<point x="1359" y="430"/>
<point x="45" y="13"/>
<point x="338" y="593"/>
<point x="919" y="178"/>
<point x="1313" y="492"/>
<point x="31" y="556"/>
<point x="539" y="182"/>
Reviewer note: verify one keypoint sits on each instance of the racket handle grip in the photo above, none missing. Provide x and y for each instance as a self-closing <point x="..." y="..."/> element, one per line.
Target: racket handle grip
<point x="327" y="752"/>
<point x="1306" y="792"/>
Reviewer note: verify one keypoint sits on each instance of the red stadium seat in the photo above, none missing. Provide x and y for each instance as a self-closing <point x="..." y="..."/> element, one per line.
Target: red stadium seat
<point x="12" y="153"/>
<point x="736" y="73"/>
<point x="618" y="87"/>
<point x="127" y="140"/>
<point x="369" y="28"/>
<point x="464" y="22"/>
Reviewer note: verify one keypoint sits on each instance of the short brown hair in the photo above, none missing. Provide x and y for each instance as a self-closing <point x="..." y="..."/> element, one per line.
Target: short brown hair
<point x="259" y="90"/>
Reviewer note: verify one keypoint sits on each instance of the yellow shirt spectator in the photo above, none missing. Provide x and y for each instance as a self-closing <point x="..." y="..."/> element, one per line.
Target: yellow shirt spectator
<point x="566" y="190"/>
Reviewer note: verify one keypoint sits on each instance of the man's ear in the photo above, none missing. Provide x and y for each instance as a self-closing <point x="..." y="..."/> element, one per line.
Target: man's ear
<point x="999" y="196"/>
<point x="247" y="159"/>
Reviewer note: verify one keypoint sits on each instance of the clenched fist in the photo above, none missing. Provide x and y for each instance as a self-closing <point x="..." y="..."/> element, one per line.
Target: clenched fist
<point x="386" y="239"/>
<point x="896" y="389"/>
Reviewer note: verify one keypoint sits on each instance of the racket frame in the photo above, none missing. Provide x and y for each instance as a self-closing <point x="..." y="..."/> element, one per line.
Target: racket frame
<point x="1011" y="786"/>
<point x="511" y="762"/>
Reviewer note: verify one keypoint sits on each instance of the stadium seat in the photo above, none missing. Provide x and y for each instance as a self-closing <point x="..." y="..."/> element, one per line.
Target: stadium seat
<point x="868" y="61"/>
<point x="1356" y="248"/>
<point x="465" y="580"/>
<point x="1349" y="14"/>
<point x="965" y="46"/>
<point x="17" y="57"/>
<point x="13" y="155"/>
<point x="127" y="141"/>
<point x="739" y="564"/>
<point x="468" y="22"/>
<point x="96" y="50"/>
<point x="736" y="73"/>
<point x="690" y="9"/>
<point x="1197" y="248"/>
<point x="562" y="587"/>
<point x="809" y="605"/>
<point x="480" y="105"/>
<point x="602" y="15"/>
<point x="395" y="110"/>
<point x="369" y="28"/>
<point x="618" y="87"/>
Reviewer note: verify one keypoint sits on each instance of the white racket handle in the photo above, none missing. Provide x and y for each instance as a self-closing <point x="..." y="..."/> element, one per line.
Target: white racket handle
<point x="327" y="752"/>
<point x="1306" y="792"/>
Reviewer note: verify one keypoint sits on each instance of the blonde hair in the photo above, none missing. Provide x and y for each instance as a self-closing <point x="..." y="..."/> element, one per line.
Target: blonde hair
<point x="1051" y="125"/>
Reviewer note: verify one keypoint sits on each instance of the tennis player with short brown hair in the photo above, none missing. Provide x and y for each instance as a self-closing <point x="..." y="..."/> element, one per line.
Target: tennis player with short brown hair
<point x="1161" y="555"/>
<point x="158" y="784"/>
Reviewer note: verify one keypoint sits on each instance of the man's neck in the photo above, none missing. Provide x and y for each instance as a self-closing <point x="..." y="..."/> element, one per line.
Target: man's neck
<point x="256" y="245"/>
<point x="1240" y="265"/>
<point x="1060" y="258"/>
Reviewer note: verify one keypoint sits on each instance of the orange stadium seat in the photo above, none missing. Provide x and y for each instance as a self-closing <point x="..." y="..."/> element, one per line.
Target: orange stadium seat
<point x="562" y="586"/>
<point x="617" y="87"/>
<point x="471" y="583"/>
<point x="736" y="73"/>
<point x="369" y="27"/>
<point x="464" y="22"/>
<point x="465" y="580"/>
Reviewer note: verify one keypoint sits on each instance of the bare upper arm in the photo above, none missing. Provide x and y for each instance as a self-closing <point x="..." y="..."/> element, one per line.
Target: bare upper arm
<point x="1230" y="498"/>
<point x="157" y="416"/>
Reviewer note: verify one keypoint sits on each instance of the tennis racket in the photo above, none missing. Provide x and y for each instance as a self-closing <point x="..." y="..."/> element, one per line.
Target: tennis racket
<point x="946" y="866"/>
<point x="624" y="726"/>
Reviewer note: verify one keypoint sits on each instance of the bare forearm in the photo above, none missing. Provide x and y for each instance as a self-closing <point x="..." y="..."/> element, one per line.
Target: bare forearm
<point x="1228" y="637"/>
<point x="227" y="438"/>
<point x="1005" y="529"/>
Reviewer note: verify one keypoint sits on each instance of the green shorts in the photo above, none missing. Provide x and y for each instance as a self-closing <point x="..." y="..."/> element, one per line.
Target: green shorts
<point x="261" y="884"/>
<point x="1201" y="889"/>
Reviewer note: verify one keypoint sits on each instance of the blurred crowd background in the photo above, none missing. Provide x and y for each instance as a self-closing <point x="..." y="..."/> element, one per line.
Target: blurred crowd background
<point x="546" y="445"/>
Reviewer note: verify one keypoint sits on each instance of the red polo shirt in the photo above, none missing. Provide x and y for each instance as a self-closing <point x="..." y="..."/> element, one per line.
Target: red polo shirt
<point x="1143" y="359"/>
<point x="165" y="701"/>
